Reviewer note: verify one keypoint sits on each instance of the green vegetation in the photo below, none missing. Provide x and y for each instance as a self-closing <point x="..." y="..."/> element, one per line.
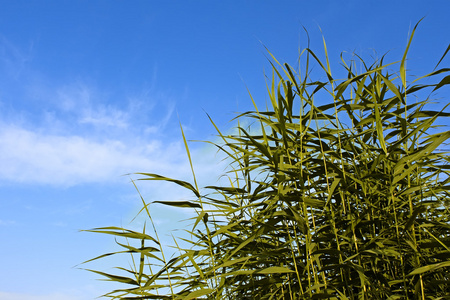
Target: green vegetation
<point x="345" y="200"/>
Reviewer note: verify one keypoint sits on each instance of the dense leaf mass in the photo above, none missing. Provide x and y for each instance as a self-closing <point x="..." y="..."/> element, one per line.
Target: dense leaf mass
<point x="345" y="200"/>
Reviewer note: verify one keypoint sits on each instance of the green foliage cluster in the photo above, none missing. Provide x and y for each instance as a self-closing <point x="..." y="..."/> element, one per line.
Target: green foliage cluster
<point x="346" y="200"/>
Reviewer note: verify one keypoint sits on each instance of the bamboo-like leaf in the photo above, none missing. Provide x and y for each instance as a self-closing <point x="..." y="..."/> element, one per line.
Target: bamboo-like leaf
<point x="232" y="262"/>
<point x="444" y="81"/>
<point x="379" y="127"/>
<point x="403" y="61"/>
<point x="393" y="88"/>
<point x="274" y="270"/>
<point x="179" y="203"/>
<point x="442" y="57"/>
<point x="190" y="159"/>
<point x="418" y="210"/>
<point x="198" y="293"/>
<point x="121" y="232"/>
<point x="115" y="278"/>
<point x="429" y="268"/>
<point x="163" y="178"/>
<point x="230" y="190"/>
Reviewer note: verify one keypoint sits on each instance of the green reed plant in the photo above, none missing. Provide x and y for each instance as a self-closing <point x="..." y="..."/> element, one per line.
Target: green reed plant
<point x="344" y="200"/>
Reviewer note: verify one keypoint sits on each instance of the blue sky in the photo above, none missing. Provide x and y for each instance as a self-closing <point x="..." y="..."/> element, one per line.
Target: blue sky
<point x="93" y="90"/>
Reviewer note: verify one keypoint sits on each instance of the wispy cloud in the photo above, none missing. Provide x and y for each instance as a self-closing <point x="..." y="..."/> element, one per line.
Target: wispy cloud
<point x="36" y="157"/>
<point x="82" y="292"/>
<point x="105" y="116"/>
<point x="88" y="106"/>
<point x="52" y="296"/>
<point x="13" y="58"/>
<point x="7" y="222"/>
<point x="83" y="140"/>
<point x="75" y="132"/>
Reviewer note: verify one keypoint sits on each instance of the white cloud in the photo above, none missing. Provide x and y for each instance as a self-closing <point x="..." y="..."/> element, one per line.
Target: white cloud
<point x="86" y="290"/>
<point x="88" y="106"/>
<point x="7" y="222"/>
<point x="82" y="137"/>
<point x="34" y="157"/>
<point x="75" y="133"/>
<point x="78" y="134"/>
<point x="105" y="117"/>
<point x="52" y="296"/>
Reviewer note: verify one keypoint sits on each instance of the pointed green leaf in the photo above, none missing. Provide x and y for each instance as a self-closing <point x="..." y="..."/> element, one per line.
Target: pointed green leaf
<point x="274" y="270"/>
<point x="115" y="278"/>
<point x="198" y="293"/>
<point x="444" y="81"/>
<point x="403" y="61"/>
<point x="163" y="178"/>
<point x="429" y="268"/>
<point x="179" y="204"/>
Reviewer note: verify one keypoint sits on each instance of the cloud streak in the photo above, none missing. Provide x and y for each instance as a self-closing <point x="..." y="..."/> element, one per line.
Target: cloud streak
<point x="32" y="157"/>
<point x="55" y="296"/>
<point x="75" y="133"/>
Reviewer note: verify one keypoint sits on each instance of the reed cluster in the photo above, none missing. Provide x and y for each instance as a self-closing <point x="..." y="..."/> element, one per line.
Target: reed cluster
<point x="344" y="200"/>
